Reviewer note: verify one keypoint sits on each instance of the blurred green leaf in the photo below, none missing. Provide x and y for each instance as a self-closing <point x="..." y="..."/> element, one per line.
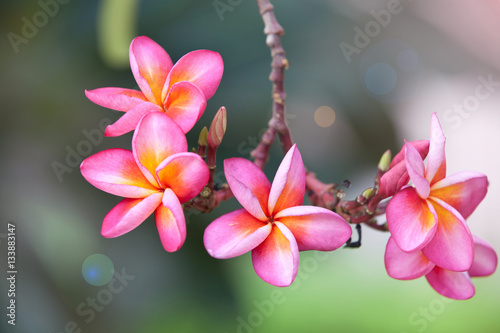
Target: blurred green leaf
<point x="116" y="27"/>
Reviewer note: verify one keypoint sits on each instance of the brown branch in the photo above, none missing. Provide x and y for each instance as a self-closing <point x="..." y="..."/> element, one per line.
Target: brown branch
<point x="320" y="194"/>
<point x="277" y="124"/>
<point x="361" y="210"/>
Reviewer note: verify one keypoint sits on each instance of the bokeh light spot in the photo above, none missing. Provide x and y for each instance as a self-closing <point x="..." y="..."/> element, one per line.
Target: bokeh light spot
<point x="324" y="116"/>
<point x="98" y="269"/>
<point x="380" y="78"/>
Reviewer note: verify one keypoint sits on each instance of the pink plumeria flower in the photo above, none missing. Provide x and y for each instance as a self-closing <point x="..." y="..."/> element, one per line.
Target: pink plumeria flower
<point x="430" y="215"/>
<point x="158" y="175"/>
<point x="397" y="176"/>
<point x="179" y="90"/>
<point x="273" y="224"/>
<point x="457" y="285"/>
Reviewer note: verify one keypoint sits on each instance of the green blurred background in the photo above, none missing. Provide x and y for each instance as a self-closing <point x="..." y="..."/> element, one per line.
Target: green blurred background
<point x="78" y="45"/>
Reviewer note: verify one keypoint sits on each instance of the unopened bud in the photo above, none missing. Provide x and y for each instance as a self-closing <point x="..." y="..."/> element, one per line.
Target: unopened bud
<point x="217" y="128"/>
<point x="202" y="140"/>
<point x="365" y="196"/>
<point x="368" y="193"/>
<point x="385" y="161"/>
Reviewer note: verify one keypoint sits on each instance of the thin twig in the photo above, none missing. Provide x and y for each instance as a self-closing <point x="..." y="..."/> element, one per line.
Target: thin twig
<point x="277" y="124"/>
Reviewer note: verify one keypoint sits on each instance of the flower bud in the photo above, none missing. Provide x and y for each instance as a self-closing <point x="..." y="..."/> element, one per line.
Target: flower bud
<point x="368" y="193"/>
<point x="365" y="196"/>
<point x="217" y="128"/>
<point x="385" y="161"/>
<point x="202" y="140"/>
<point x="397" y="175"/>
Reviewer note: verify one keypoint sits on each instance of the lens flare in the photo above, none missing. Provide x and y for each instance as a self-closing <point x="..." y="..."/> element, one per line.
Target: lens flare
<point x="98" y="269"/>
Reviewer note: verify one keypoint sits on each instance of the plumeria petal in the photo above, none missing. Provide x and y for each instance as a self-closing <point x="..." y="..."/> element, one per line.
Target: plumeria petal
<point x="415" y="167"/>
<point x="150" y="64"/>
<point x="456" y="285"/>
<point x="315" y="228"/>
<point x="452" y="246"/>
<point x="393" y="180"/>
<point x="440" y="173"/>
<point x="234" y="234"/>
<point x="397" y="176"/>
<point x="436" y="156"/>
<point x="463" y="191"/>
<point x="128" y="214"/>
<point x="411" y="220"/>
<point x="185" y="173"/>
<point x="130" y="119"/>
<point x="156" y="138"/>
<point x="170" y="222"/>
<point x="116" y="98"/>
<point x="115" y="171"/>
<point x="202" y="67"/>
<point x="405" y="266"/>
<point x="485" y="258"/>
<point x="249" y="185"/>
<point x="276" y="260"/>
<point x="289" y="184"/>
<point x="422" y="146"/>
<point x="185" y="104"/>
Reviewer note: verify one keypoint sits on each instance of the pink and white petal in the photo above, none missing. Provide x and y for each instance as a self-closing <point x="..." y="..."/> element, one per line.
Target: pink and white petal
<point x="204" y="68"/>
<point x="485" y="258"/>
<point x="128" y="122"/>
<point x="289" y="184"/>
<point x="412" y="221"/>
<point x="156" y="138"/>
<point x="452" y="246"/>
<point x="422" y="146"/>
<point x="415" y="167"/>
<point x="249" y="185"/>
<point x="170" y="222"/>
<point x="115" y="171"/>
<point x="456" y="285"/>
<point x="436" y="156"/>
<point x="276" y="260"/>
<point x="315" y="228"/>
<point x="128" y="214"/>
<point x="234" y="234"/>
<point x="150" y="64"/>
<point x="393" y="180"/>
<point x="463" y="191"/>
<point x="405" y="266"/>
<point x="116" y="98"/>
<point x="185" y="173"/>
<point x="185" y="104"/>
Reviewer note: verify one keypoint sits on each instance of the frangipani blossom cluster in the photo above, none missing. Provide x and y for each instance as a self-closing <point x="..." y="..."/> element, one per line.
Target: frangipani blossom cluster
<point x="158" y="175"/>
<point x="273" y="224"/>
<point x="429" y="235"/>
